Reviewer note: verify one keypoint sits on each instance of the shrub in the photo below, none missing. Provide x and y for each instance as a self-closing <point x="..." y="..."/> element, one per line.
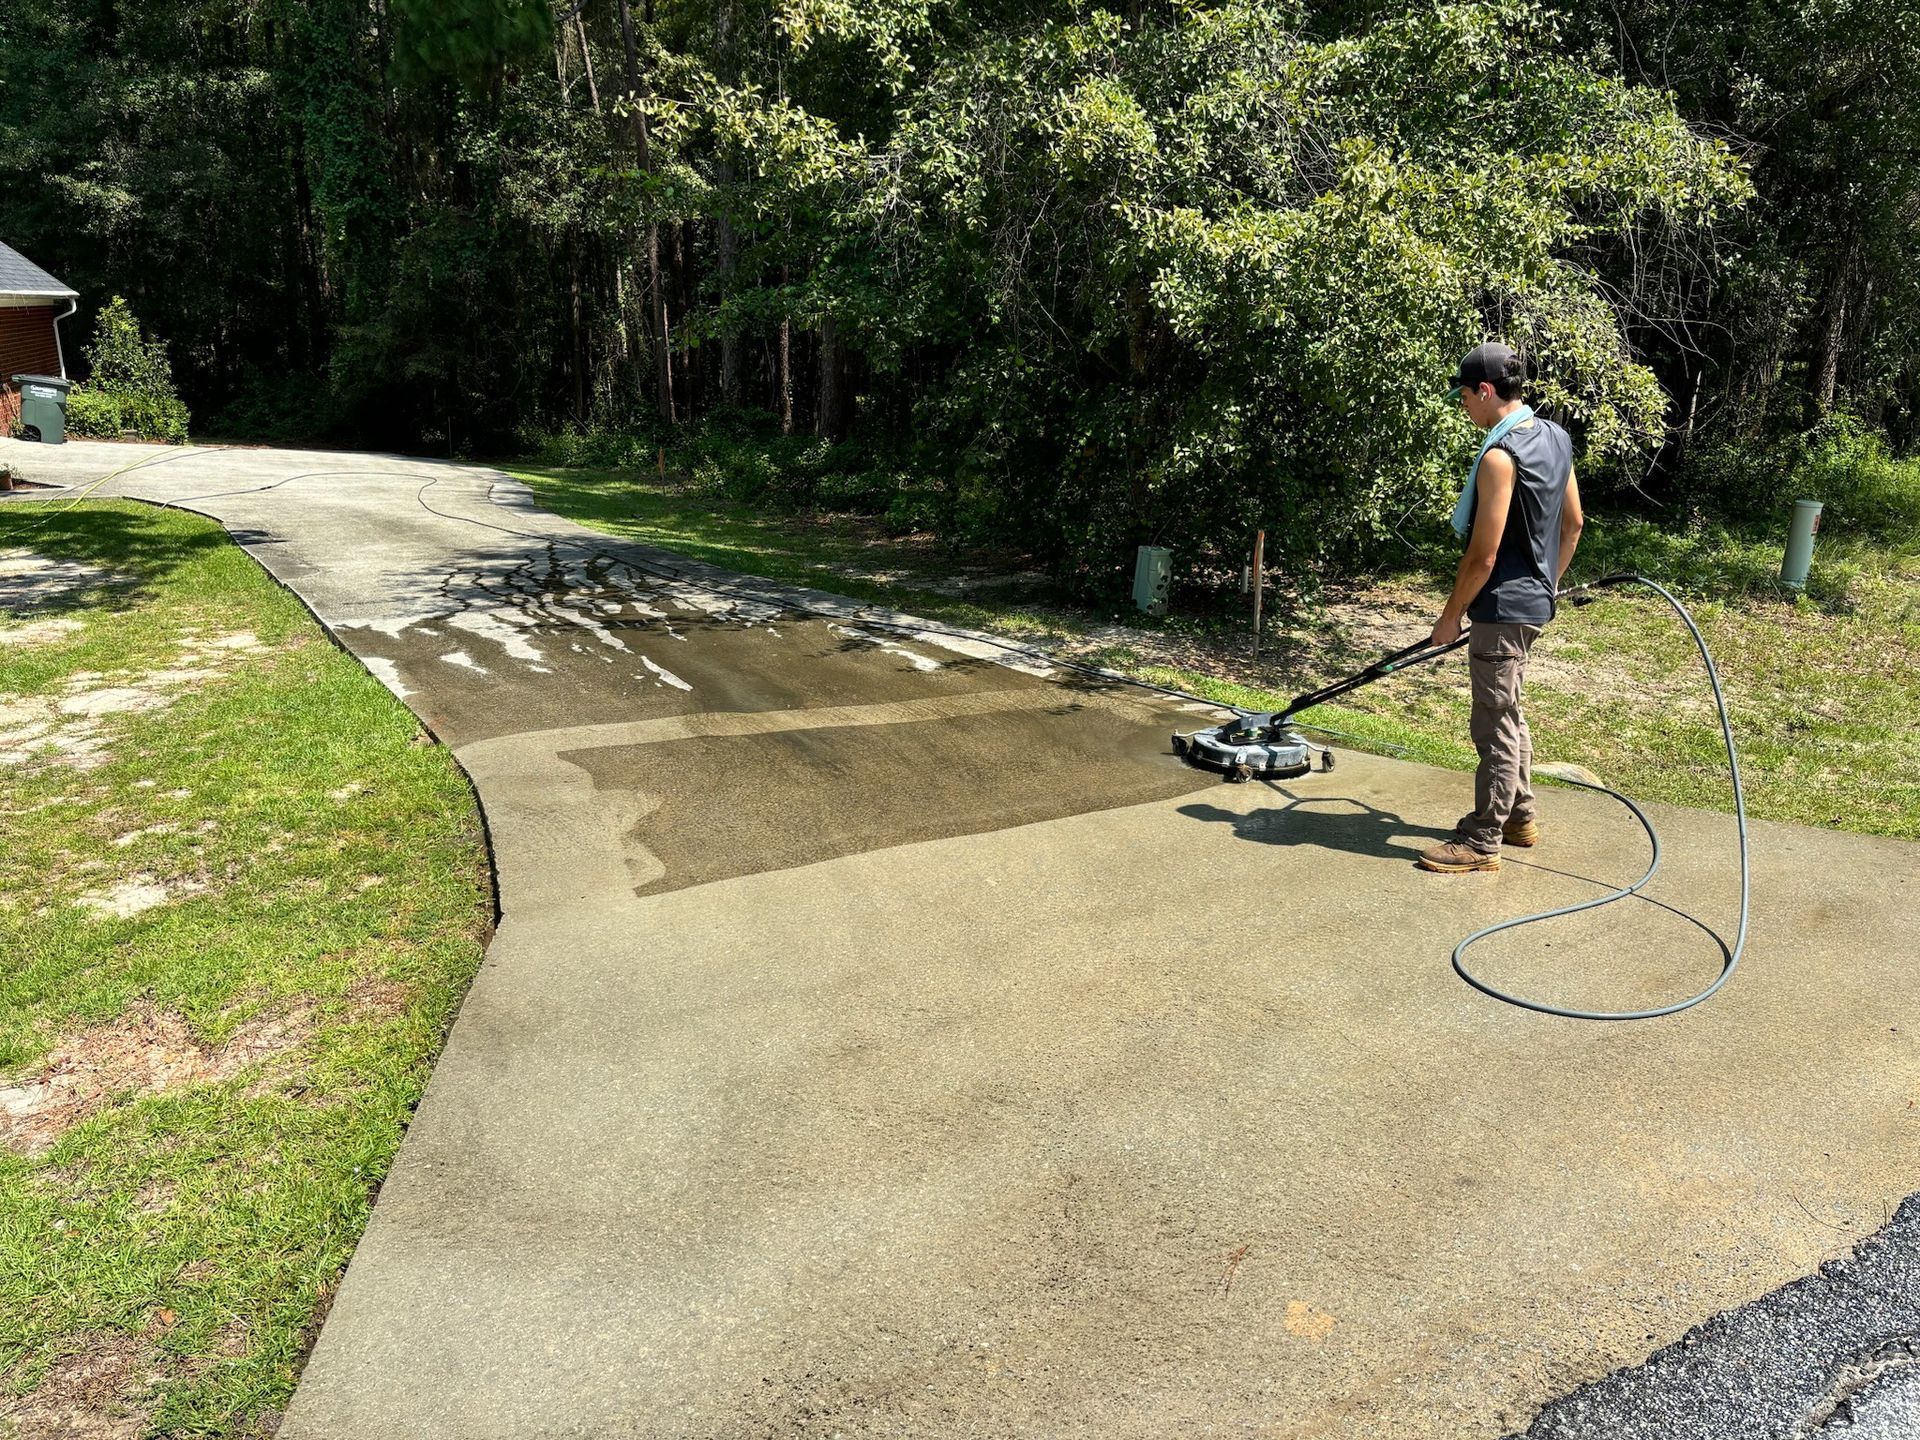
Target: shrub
<point x="92" y="416"/>
<point x="154" y="417"/>
<point x="129" y="389"/>
<point x="917" y="509"/>
<point x="1867" y="489"/>
<point x="105" y="415"/>
<point x="123" y="361"/>
<point x="598" y="448"/>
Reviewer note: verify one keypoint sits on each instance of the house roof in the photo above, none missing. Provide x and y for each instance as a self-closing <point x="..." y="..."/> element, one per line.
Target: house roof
<point x="20" y="276"/>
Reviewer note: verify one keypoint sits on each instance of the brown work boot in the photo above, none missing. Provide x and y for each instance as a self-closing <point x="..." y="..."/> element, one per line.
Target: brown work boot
<point x="1455" y="858"/>
<point x="1524" y="833"/>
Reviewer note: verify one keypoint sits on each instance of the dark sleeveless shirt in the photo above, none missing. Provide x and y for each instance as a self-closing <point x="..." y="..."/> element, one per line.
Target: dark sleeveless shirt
<point x="1526" y="567"/>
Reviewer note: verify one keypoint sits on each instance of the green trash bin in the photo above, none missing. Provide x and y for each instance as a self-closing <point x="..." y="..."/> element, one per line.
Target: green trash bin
<point x="43" y="407"/>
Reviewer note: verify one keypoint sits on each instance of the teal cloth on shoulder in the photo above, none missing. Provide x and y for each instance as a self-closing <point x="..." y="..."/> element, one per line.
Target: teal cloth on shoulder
<point x="1463" y="507"/>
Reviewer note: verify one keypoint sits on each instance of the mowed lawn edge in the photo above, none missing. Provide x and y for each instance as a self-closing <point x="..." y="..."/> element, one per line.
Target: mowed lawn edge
<point x="242" y="894"/>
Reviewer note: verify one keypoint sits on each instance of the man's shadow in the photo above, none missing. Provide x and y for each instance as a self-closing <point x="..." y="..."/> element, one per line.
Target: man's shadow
<point x="1359" y="829"/>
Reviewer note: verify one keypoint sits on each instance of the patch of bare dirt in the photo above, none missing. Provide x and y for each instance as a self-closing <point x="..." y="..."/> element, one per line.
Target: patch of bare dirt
<point x="38" y="632"/>
<point x="156" y="1197"/>
<point x="113" y="700"/>
<point x="196" y="646"/>
<point x="71" y="730"/>
<point x="373" y="995"/>
<point x="1358" y="624"/>
<point x="1368" y="625"/>
<point x="137" y="893"/>
<point x="29" y="581"/>
<point x="99" y="1391"/>
<point x="1350" y="628"/>
<point x="144" y="1052"/>
<point x="133" y="837"/>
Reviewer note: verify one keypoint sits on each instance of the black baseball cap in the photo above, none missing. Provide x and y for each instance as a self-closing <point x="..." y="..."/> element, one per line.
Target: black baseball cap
<point x="1488" y="364"/>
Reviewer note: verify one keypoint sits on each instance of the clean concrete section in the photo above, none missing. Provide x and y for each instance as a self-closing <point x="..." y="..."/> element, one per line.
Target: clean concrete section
<point x="883" y="1040"/>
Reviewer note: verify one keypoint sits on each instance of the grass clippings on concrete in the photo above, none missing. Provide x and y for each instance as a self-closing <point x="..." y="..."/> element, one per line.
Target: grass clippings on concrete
<point x="1822" y="687"/>
<point x="241" y="896"/>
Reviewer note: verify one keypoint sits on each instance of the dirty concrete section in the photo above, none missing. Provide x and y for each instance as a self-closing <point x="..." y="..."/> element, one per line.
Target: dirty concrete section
<point x="886" y="1037"/>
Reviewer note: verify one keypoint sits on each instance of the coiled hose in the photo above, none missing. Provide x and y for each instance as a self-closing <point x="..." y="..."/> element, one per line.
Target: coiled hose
<point x="1731" y="956"/>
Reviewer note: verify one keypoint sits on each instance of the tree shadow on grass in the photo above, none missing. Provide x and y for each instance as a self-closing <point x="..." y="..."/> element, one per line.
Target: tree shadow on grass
<point x="97" y="556"/>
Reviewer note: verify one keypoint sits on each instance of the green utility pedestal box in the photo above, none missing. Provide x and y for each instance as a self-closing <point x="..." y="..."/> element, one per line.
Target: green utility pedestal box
<point x="43" y="407"/>
<point x="1152" y="578"/>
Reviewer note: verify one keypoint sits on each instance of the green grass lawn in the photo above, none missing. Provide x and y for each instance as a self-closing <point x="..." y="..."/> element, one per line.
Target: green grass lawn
<point x="842" y="553"/>
<point x="239" y="903"/>
<point x="1823" y="688"/>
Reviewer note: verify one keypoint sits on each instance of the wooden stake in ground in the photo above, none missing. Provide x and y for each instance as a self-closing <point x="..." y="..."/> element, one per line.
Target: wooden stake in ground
<point x="1259" y="567"/>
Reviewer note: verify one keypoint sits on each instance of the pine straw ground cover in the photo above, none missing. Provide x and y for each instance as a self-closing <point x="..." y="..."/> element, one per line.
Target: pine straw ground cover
<point x="1823" y="687"/>
<point x="241" y="895"/>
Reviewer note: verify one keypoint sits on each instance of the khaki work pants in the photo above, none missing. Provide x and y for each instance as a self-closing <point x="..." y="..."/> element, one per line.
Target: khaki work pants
<point x="1503" y="785"/>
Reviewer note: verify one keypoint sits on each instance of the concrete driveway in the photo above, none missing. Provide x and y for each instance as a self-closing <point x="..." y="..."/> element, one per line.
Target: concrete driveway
<point x="887" y="1037"/>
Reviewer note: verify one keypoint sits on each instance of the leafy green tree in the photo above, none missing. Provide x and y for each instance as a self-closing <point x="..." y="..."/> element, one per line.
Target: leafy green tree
<point x="1188" y="277"/>
<point x="1808" y="304"/>
<point x="1167" y="269"/>
<point x="129" y="389"/>
<point x="124" y="361"/>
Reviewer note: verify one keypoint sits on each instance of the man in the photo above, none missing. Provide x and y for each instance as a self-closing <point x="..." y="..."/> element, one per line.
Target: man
<point x="1520" y="516"/>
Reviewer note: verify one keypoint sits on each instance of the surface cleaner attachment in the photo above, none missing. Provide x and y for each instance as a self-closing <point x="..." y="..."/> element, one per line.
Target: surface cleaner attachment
<point x="1248" y="747"/>
<point x="1262" y="744"/>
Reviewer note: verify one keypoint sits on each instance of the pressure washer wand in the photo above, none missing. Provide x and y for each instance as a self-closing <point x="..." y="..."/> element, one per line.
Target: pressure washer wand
<point x="1420" y="652"/>
<point x="1417" y="653"/>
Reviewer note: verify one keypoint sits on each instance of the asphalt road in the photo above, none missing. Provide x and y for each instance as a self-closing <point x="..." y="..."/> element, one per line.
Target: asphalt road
<point x="886" y="1036"/>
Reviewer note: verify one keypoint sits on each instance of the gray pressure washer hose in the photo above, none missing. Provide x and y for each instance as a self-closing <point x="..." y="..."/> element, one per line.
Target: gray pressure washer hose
<point x="1732" y="957"/>
<point x="1580" y="595"/>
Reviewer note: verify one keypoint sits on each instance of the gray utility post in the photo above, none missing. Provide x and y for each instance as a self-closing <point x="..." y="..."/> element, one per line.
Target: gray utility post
<point x="1799" y="557"/>
<point x="1259" y="583"/>
<point x="1152" y="578"/>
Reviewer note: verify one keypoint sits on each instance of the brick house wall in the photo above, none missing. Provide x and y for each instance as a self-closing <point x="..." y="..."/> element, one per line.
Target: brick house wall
<point x="27" y="347"/>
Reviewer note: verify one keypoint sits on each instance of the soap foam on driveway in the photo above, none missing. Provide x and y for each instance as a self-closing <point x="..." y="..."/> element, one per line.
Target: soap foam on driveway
<point x="877" y="1049"/>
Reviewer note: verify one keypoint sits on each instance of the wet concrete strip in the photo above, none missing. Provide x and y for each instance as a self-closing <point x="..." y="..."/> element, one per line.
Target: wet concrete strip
<point x="582" y="791"/>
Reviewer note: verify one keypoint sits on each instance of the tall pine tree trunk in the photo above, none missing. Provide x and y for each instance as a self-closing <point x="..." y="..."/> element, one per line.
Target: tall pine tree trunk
<point x="683" y="292"/>
<point x="723" y="238"/>
<point x="1834" y="333"/>
<point x="586" y="61"/>
<point x="1828" y="380"/>
<point x="579" y="339"/>
<point x="724" y="244"/>
<point x="786" y="366"/>
<point x="827" y="411"/>
<point x="662" y="353"/>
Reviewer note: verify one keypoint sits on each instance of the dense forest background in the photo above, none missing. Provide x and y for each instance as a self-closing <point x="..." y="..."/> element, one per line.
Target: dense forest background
<point x="1061" y="276"/>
